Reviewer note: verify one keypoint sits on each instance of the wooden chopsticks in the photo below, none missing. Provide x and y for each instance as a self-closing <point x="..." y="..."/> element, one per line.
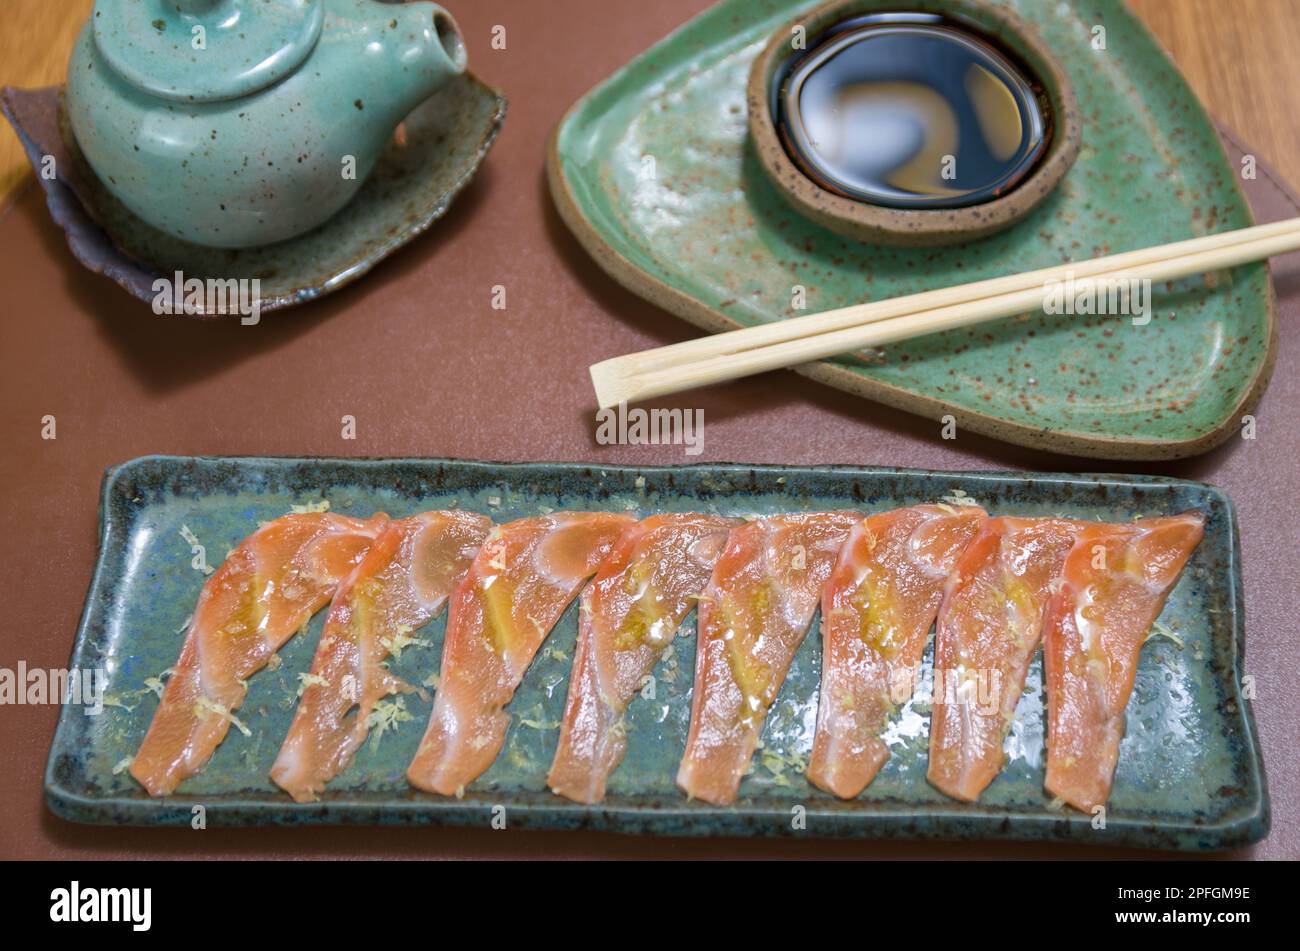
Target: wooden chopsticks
<point x="727" y="356"/>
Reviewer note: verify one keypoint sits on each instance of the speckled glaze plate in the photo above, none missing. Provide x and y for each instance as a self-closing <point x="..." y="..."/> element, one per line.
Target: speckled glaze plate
<point x="1189" y="777"/>
<point x="412" y="185"/>
<point x="654" y="172"/>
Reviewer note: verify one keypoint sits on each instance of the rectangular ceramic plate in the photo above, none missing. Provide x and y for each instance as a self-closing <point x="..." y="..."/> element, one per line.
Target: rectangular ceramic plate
<point x="654" y="172"/>
<point x="1189" y="776"/>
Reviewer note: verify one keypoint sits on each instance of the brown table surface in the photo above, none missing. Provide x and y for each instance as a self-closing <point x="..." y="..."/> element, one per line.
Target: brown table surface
<point x="418" y="356"/>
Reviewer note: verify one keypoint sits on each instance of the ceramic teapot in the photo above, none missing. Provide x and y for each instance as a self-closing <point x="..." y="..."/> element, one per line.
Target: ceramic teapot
<point x="237" y="123"/>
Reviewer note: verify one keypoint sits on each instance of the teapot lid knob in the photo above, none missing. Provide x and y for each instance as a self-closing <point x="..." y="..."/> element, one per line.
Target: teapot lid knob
<point x="205" y="50"/>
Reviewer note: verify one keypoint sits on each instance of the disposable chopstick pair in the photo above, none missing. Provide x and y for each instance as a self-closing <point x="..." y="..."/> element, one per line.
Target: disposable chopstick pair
<point x="787" y="343"/>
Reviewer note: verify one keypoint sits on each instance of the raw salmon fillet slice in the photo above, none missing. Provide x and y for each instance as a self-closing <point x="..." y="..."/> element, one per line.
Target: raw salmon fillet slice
<point x="988" y="629"/>
<point x="630" y="614"/>
<point x="521" y="581"/>
<point x="263" y="594"/>
<point x="401" y="585"/>
<point x="753" y="616"/>
<point x="1115" y="583"/>
<point x="877" y="611"/>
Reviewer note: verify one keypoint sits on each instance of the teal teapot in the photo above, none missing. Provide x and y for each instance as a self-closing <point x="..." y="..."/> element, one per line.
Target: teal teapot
<point x="238" y="123"/>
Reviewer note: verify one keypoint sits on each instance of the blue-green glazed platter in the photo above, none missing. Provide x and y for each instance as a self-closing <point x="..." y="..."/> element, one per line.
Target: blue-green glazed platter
<point x="1190" y="774"/>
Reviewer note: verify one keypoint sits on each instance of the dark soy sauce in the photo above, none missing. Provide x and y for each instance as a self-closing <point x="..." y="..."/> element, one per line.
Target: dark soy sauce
<point x="910" y="110"/>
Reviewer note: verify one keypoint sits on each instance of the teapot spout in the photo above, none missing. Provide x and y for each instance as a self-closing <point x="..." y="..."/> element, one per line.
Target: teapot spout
<point x="425" y="52"/>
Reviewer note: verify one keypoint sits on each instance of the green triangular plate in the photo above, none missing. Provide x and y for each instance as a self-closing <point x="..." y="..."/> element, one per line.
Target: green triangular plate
<point x="701" y="232"/>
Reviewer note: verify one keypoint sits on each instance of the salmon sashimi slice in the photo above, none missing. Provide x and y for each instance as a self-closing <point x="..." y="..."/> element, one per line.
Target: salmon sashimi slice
<point x="401" y="585"/>
<point x="263" y="594"/>
<point x="988" y="630"/>
<point x="630" y="613"/>
<point x="522" y="579"/>
<point x="753" y="615"/>
<point x="1115" y="583"/>
<point x="877" y="611"/>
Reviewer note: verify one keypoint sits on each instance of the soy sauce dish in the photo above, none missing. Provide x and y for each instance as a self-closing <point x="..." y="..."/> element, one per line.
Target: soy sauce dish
<point x="918" y="125"/>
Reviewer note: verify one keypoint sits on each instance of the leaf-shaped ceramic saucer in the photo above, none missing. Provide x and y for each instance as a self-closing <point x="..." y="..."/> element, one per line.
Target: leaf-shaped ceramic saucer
<point x="236" y="170"/>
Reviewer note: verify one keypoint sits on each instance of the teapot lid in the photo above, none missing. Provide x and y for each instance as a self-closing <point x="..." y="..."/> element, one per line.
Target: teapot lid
<point x="205" y="50"/>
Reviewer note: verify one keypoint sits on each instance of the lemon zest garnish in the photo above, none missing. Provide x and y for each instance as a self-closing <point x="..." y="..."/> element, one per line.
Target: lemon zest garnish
<point x="958" y="497"/>
<point x="386" y="715"/>
<point x="249" y="755"/>
<point x="777" y="763"/>
<point x="156" y="684"/>
<point x="402" y="640"/>
<point x="1163" y="630"/>
<point x="539" y="724"/>
<point x="204" y="706"/>
<point x="152" y="685"/>
<point x="307" y="680"/>
<point x="536" y="719"/>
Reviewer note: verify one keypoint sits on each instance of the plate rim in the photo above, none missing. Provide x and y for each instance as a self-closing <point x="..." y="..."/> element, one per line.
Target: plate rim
<point x="1069" y="442"/>
<point x="827" y="820"/>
